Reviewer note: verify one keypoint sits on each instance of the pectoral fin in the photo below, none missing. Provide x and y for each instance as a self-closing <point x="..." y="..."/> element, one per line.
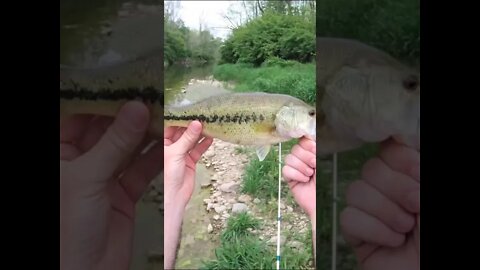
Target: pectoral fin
<point x="262" y="151"/>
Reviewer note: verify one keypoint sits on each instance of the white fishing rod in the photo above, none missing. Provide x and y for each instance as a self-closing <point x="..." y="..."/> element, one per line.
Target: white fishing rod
<point x="279" y="218"/>
<point x="334" y="210"/>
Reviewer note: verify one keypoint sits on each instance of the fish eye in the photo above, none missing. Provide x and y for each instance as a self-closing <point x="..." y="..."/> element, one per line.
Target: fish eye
<point x="411" y="83"/>
<point x="311" y="113"/>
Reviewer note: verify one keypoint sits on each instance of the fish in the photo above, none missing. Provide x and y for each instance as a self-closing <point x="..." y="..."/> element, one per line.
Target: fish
<point x="254" y="118"/>
<point x="365" y="96"/>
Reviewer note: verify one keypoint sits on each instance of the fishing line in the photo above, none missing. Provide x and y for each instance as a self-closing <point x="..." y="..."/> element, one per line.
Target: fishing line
<point x="334" y="210"/>
<point x="279" y="194"/>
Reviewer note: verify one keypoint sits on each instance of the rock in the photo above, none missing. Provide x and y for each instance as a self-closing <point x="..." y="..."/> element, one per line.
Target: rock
<point x="295" y="244"/>
<point x="216" y="217"/>
<point x="205" y="184"/>
<point x="226" y="215"/>
<point x="209" y="206"/>
<point x="216" y="194"/>
<point x="220" y="209"/>
<point x="239" y="207"/>
<point x="206" y="201"/>
<point x="210" y="228"/>
<point x="273" y="240"/>
<point x="303" y="231"/>
<point x="244" y="198"/>
<point x="228" y="187"/>
<point x="209" y="154"/>
<point x="256" y="200"/>
<point x="232" y="201"/>
<point x="232" y="163"/>
<point x="282" y="206"/>
<point x="288" y="227"/>
<point x="289" y="209"/>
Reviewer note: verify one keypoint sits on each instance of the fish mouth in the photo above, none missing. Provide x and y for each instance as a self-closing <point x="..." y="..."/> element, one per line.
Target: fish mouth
<point x="411" y="140"/>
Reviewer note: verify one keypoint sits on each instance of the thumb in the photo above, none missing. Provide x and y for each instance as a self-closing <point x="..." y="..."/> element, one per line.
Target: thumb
<point x="119" y="141"/>
<point x="189" y="138"/>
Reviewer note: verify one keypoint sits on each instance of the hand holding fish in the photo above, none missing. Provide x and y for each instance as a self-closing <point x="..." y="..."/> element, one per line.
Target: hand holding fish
<point x="182" y="151"/>
<point x="103" y="175"/>
<point x="299" y="172"/>
<point x="382" y="219"/>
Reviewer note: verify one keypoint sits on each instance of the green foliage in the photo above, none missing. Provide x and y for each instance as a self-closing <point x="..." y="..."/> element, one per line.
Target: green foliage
<point x="184" y="44"/>
<point x="274" y="76"/>
<point x="238" y="225"/>
<point x="286" y="36"/>
<point x="241" y="249"/>
<point x="393" y="26"/>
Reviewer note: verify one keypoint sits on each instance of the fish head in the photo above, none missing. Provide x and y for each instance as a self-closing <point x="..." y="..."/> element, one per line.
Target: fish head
<point x="375" y="100"/>
<point x="296" y="120"/>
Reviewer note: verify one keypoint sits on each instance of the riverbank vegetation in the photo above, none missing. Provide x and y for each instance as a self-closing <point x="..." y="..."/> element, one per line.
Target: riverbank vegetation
<point x="184" y="45"/>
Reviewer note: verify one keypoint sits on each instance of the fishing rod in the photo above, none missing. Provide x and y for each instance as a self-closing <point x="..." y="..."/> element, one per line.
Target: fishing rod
<point x="334" y="210"/>
<point x="279" y="218"/>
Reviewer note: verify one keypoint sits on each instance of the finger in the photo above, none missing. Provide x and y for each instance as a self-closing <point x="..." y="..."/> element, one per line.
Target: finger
<point x="189" y="138"/>
<point x="308" y="145"/>
<point x="138" y="176"/>
<point x="364" y="197"/>
<point x="120" y="140"/>
<point x="96" y="129"/>
<point x="306" y="156"/>
<point x="147" y="141"/>
<point x="299" y="165"/>
<point x="73" y="127"/>
<point x="200" y="148"/>
<point x="291" y="174"/>
<point x="394" y="185"/>
<point x="178" y="134"/>
<point x="401" y="158"/>
<point x="68" y="151"/>
<point x="361" y="226"/>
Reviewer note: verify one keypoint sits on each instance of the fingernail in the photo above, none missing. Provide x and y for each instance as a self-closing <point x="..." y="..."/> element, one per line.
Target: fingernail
<point x="196" y="127"/>
<point x="309" y="172"/>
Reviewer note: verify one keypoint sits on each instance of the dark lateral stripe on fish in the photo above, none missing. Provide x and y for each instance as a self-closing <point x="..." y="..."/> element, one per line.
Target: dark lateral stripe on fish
<point x="215" y="118"/>
<point x="147" y="94"/>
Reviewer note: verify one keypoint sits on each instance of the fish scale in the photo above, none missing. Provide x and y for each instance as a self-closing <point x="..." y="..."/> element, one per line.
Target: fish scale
<point x="241" y="118"/>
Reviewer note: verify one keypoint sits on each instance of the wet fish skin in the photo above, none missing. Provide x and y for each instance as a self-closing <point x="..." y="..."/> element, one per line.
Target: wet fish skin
<point x="248" y="118"/>
<point x="365" y="95"/>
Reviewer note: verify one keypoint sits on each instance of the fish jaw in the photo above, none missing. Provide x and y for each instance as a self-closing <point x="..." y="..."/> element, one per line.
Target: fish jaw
<point x="294" y="121"/>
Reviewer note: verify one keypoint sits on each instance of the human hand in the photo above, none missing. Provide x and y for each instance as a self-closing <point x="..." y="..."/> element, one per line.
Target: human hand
<point x="182" y="152"/>
<point x="103" y="175"/>
<point x="299" y="172"/>
<point x="382" y="219"/>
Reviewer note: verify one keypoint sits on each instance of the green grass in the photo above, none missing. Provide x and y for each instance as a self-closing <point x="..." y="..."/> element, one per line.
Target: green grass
<point x="294" y="79"/>
<point x="261" y="177"/>
<point x="240" y="249"/>
<point x="238" y="225"/>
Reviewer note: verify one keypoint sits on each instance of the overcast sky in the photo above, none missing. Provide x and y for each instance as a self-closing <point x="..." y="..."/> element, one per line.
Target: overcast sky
<point x="210" y="12"/>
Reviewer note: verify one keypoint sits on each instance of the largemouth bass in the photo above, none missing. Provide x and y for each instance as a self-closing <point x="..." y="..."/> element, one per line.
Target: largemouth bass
<point x="365" y="95"/>
<point x="257" y="119"/>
